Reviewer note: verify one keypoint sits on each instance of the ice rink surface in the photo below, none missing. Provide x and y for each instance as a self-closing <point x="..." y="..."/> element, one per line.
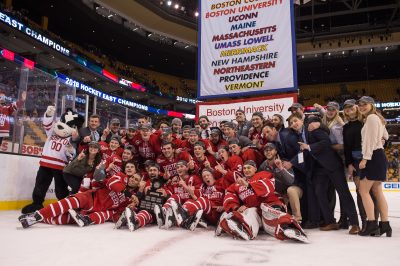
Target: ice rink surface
<point x="44" y="244"/>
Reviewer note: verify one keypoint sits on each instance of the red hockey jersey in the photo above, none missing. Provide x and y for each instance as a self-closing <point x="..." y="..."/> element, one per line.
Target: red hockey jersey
<point x="192" y="180"/>
<point x="260" y="190"/>
<point x="169" y="165"/>
<point x="147" y="150"/>
<point x="110" y="197"/>
<point x="233" y="165"/>
<point x="252" y="154"/>
<point x="5" y="112"/>
<point x="214" y="193"/>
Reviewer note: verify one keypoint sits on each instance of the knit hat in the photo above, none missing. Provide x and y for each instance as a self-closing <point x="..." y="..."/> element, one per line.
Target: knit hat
<point x="176" y="121"/>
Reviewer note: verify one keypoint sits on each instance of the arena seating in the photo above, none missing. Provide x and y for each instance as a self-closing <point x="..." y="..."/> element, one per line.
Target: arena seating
<point x="387" y="90"/>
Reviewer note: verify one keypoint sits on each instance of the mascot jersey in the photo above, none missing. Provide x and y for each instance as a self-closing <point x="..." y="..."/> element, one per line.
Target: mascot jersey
<point x="54" y="150"/>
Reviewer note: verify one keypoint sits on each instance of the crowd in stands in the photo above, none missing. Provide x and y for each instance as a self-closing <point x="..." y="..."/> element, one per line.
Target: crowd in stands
<point x="155" y="83"/>
<point x="381" y="90"/>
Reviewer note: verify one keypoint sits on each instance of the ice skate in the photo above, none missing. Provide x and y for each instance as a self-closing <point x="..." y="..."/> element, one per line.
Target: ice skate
<point x="203" y="223"/>
<point x="160" y="215"/>
<point x="81" y="220"/>
<point x="131" y="219"/>
<point x="192" y="221"/>
<point x="29" y="219"/>
<point x="169" y="218"/>
<point x="121" y="221"/>
<point x="179" y="212"/>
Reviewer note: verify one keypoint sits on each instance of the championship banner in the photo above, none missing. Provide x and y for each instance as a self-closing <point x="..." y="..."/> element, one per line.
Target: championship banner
<point x="225" y="110"/>
<point x="246" y="47"/>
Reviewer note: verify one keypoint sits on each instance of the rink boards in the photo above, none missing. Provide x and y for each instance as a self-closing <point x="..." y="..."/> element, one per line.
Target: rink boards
<point x="18" y="175"/>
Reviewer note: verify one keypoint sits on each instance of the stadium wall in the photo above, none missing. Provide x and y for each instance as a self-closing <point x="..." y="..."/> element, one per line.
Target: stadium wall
<point x="17" y="180"/>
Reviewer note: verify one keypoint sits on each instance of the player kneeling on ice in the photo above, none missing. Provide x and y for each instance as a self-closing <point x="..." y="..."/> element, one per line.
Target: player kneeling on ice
<point x="182" y="188"/>
<point x="96" y="206"/>
<point x="206" y="202"/>
<point x="250" y="196"/>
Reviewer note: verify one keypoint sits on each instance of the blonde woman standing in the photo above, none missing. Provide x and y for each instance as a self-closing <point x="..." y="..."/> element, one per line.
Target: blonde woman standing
<point x="373" y="167"/>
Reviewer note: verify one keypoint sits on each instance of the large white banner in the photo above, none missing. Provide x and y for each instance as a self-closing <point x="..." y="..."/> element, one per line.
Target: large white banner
<point x="246" y="47"/>
<point x="225" y="110"/>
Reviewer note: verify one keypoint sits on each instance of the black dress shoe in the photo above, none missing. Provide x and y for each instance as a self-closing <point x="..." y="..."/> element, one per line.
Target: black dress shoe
<point x="343" y="223"/>
<point x="310" y="225"/>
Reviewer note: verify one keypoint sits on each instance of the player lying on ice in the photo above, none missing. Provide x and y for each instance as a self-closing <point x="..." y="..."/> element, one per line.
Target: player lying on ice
<point x="251" y="202"/>
<point x="95" y="206"/>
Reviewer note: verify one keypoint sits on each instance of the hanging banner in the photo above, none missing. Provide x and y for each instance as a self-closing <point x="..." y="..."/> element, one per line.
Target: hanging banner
<point x="246" y="47"/>
<point x="225" y="110"/>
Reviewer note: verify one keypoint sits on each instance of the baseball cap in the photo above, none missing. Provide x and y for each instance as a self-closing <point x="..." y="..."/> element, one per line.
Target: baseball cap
<point x="250" y="162"/>
<point x="230" y="125"/>
<point x="349" y="102"/>
<point x="333" y="105"/>
<point x="94" y="144"/>
<point x="216" y="131"/>
<point x="295" y="106"/>
<point x="145" y="126"/>
<point x="245" y="142"/>
<point x="270" y="146"/>
<point x="115" y="121"/>
<point x="149" y="162"/>
<point x="132" y="126"/>
<point x="313" y="118"/>
<point x="166" y="131"/>
<point x="117" y="138"/>
<point x="366" y="99"/>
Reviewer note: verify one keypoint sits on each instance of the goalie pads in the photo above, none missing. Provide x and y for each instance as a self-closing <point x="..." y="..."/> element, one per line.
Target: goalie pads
<point x="281" y="225"/>
<point x="240" y="225"/>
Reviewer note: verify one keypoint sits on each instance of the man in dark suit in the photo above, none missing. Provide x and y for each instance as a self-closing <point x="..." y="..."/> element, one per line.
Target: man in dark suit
<point x="326" y="165"/>
<point x="89" y="133"/>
